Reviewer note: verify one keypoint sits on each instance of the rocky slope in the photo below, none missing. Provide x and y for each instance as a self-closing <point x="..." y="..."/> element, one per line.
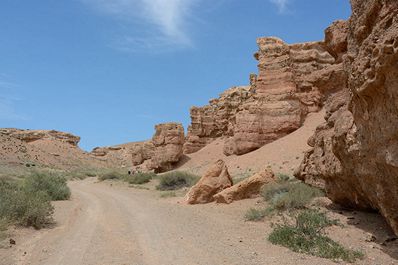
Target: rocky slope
<point x="355" y="153"/>
<point x="52" y="149"/>
<point x="292" y="81"/>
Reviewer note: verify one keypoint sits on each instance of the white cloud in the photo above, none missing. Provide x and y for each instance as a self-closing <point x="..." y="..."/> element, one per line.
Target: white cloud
<point x="156" y="22"/>
<point x="281" y="4"/>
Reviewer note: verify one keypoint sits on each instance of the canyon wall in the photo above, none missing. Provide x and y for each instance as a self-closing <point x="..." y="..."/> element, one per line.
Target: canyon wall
<point x="292" y="81"/>
<point x="355" y="153"/>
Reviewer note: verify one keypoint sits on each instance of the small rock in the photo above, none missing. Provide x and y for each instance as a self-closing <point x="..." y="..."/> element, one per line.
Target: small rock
<point x="12" y="241"/>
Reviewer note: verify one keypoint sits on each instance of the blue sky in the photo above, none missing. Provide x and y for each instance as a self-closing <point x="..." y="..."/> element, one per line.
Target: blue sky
<point x="109" y="70"/>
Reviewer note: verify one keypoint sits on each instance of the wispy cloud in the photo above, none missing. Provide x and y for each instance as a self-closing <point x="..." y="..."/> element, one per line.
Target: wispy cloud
<point x="152" y="22"/>
<point x="280" y="4"/>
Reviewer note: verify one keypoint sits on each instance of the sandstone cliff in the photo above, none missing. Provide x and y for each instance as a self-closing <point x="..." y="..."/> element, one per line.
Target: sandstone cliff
<point x="355" y="153"/>
<point x="292" y="81"/>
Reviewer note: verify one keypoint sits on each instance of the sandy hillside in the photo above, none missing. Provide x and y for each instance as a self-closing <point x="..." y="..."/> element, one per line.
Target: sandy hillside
<point x="45" y="152"/>
<point x="283" y="155"/>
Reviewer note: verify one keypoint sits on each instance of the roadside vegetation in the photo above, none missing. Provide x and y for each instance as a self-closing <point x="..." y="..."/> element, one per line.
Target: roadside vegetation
<point x="300" y="228"/>
<point x="176" y="180"/>
<point x="136" y="179"/>
<point x="27" y="201"/>
<point x="306" y="235"/>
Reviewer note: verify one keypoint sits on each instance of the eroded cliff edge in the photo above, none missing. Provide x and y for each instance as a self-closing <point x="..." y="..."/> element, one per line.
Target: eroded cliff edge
<point x="355" y="152"/>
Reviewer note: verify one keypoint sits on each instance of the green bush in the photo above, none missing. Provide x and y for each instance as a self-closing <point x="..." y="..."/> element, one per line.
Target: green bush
<point x="283" y="177"/>
<point x="255" y="214"/>
<point x="306" y="236"/>
<point x="285" y="195"/>
<point x="140" y="178"/>
<point x="53" y="185"/>
<point x="111" y="175"/>
<point x="176" y="180"/>
<point x="22" y="206"/>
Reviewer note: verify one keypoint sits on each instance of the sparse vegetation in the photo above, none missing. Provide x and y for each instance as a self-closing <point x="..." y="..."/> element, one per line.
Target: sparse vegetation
<point x="255" y="214"/>
<point x="3" y="228"/>
<point x="283" y="177"/>
<point x="286" y="195"/>
<point x="21" y="205"/>
<point x="111" y="175"/>
<point x="52" y="184"/>
<point x="140" y="178"/>
<point x="307" y="236"/>
<point x="176" y="180"/>
<point x="168" y="194"/>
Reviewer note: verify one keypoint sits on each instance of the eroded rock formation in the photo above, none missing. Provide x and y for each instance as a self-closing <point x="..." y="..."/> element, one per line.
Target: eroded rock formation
<point x="355" y="152"/>
<point x="293" y="80"/>
<point x="247" y="188"/>
<point x="168" y="143"/>
<point x="216" y="119"/>
<point x="215" y="180"/>
<point x="158" y="154"/>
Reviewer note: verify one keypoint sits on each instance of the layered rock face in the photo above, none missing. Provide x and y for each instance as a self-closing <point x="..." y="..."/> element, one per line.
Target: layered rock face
<point x="292" y="81"/>
<point x="168" y="144"/>
<point x="356" y="151"/>
<point x="216" y="119"/>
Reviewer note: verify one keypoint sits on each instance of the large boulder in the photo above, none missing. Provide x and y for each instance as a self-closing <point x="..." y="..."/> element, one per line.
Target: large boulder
<point x="215" y="180"/>
<point x="356" y="151"/>
<point x="247" y="188"/>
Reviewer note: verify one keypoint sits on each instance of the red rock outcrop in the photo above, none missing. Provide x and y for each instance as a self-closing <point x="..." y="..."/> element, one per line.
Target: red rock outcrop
<point x="215" y="180"/>
<point x="214" y="120"/>
<point x="355" y="152"/>
<point x="168" y="143"/>
<point x="293" y="80"/>
<point x="158" y="154"/>
<point x="247" y="188"/>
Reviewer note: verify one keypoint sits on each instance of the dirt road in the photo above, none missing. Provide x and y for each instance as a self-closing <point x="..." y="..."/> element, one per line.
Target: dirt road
<point x="104" y="225"/>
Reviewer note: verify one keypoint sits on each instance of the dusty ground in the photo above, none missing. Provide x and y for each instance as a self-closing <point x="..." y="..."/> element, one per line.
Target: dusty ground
<point x="283" y="155"/>
<point x="107" y="224"/>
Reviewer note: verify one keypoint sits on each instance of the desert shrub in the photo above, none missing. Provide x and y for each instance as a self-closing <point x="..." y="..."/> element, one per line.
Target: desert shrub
<point x="52" y="184"/>
<point x="307" y="236"/>
<point x="168" y="194"/>
<point x="285" y="195"/>
<point x="23" y="206"/>
<point x="140" y="178"/>
<point x="282" y="177"/>
<point x="111" y="175"/>
<point x="176" y="180"/>
<point x="255" y="214"/>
